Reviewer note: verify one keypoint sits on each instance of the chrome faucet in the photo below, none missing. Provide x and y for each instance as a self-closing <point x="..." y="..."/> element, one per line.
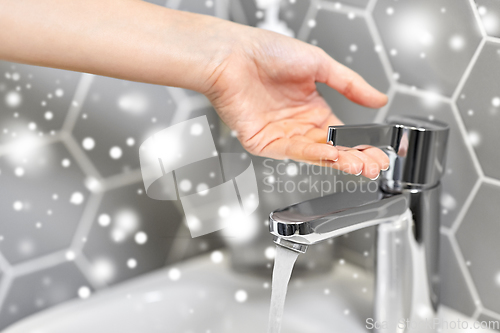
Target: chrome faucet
<point x="405" y="209"/>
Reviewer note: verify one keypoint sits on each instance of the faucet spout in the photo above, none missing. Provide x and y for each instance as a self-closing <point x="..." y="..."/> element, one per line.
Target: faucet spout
<point x="319" y="219"/>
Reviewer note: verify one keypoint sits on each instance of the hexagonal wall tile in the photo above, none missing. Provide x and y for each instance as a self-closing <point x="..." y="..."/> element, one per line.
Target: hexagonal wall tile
<point x="430" y="43"/>
<point x="355" y="50"/>
<point x="489" y="11"/>
<point x="478" y="239"/>
<point x="492" y="322"/>
<point x="293" y="13"/>
<point x="157" y="2"/>
<point x="206" y="7"/>
<point x="251" y="13"/>
<point x="479" y="104"/>
<point x="116" y="118"/>
<point x="356" y="3"/>
<point x="454" y="290"/>
<point x="131" y="234"/>
<point x="44" y="203"/>
<point x="461" y="174"/>
<point x="41" y="290"/>
<point x="34" y="99"/>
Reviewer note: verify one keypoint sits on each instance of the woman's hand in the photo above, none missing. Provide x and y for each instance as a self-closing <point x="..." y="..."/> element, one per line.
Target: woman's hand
<point x="261" y="83"/>
<point x="265" y="90"/>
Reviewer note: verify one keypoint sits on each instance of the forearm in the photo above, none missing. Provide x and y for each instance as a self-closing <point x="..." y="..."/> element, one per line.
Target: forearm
<point x="128" y="39"/>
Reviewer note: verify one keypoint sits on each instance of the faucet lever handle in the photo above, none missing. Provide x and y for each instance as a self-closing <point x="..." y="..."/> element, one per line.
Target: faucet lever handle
<point x="378" y="135"/>
<point x="416" y="148"/>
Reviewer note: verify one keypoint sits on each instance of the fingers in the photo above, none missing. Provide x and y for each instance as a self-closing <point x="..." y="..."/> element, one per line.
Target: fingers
<point x="350" y="84"/>
<point x="300" y="149"/>
<point x="378" y="155"/>
<point x="371" y="168"/>
<point x="368" y="161"/>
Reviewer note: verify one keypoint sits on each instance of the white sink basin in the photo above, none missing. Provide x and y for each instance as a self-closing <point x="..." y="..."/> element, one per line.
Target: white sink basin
<point x="203" y="300"/>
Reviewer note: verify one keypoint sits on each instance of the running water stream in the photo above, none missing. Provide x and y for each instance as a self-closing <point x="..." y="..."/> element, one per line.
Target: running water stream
<point x="283" y="266"/>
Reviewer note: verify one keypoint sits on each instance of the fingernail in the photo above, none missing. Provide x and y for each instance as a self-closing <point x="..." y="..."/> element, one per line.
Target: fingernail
<point x="385" y="169"/>
<point x="359" y="173"/>
<point x="375" y="177"/>
<point x="335" y="160"/>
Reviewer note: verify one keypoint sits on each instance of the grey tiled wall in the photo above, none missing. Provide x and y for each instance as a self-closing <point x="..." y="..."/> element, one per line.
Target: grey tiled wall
<point x="438" y="59"/>
<point x="72" y="218"/>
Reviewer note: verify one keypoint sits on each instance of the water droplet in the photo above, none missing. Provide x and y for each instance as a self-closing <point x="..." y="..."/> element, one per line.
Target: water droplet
<point x="270" y="252"/>
<point x="115" y="152"/>
<point x="311" y="23"/>
<point x="353" y="48"/>
<point x="76" y="198"/>
<point x="448" y="201"/>
<point x="495" y="101"/>
<point x="185" y="185"/>
<point x="174" y="274"/>
<point x="13" y="99"/>
<point x="65" y="163"/>
<point x="292" y="170"/>
<point x="224" y="211"/>
<point x="130" y="142"/>
<point x="209" y="3"/>
<point x="474" y="138"/>
<point x="104" y="220"/>
<point x="18" y="205"/>
<point x="394" y="52"/>
<point x="59" y="92"/>
<point x="193" y="223"/>
<point x="19" y="171"/>
<point x="70" y="255"/>
<point x="351" y="16"/>
<point x="32" y="126"/>
<point x="196" y="129"/>
<point x="202" y="189"/>
<point x="241" y="296"/>
<point x="84" y="292"/>
<point x="216" y="257"/>
<point x="48" y="115"/>
<point x="141" y="238"/>
<point x="457" y="42"/>
<point x="134" y="102"/>
<point x="88" y="143"/>
<point x="103" y="269"/>
<point x="131" y="263"/>
<point x="389" y="11"/>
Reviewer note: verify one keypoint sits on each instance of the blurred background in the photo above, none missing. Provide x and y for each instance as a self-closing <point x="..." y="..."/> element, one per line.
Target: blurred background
<point x="74" y="218"/>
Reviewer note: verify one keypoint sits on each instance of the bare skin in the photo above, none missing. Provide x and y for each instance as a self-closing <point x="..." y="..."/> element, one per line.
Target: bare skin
<point x="262" y="84"/>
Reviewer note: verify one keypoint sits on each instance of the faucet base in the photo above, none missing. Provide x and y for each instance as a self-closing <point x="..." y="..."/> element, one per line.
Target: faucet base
<point x="301" y="248"/>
